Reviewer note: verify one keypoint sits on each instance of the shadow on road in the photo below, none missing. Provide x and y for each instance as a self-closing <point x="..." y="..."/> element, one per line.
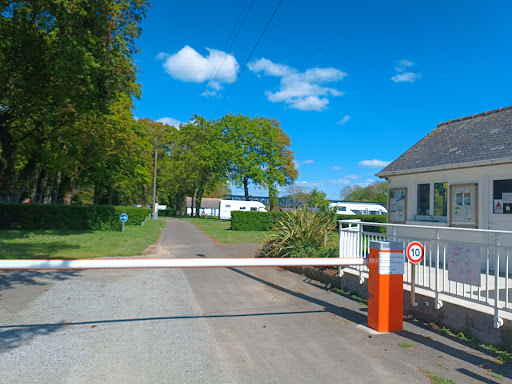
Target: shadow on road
<point x="9" y="279"/>
<point x="17" y="336"/>
<point x="487" y="363"/>
<point x="348" y="314"/>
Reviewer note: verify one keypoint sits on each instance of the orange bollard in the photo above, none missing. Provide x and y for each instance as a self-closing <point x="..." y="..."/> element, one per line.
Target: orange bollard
<point x="385" y="286"/>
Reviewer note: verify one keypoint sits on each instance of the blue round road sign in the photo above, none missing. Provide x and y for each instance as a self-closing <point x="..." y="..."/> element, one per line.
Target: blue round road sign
<point x="124" y="217"/>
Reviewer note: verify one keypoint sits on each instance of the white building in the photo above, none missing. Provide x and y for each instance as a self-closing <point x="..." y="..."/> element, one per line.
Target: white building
<point x="209" y="206"/>
<point x="459" y="175"/>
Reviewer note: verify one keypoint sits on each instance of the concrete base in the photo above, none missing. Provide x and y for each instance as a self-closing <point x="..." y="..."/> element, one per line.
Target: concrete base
<point x="474" y="320"/>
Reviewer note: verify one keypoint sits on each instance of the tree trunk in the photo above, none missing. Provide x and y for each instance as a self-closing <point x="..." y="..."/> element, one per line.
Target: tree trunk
<point x="58" y="182"/>
<point x="41" y="186"/>
<point x="246" y="188"/>
<point x="192" y="202"/>
<point x="71" y="193"/>
<point x="199" y="197"/>
<point x="7" y="164"/>
<point x="110" y="193"/>
<point x="145" y="195"/>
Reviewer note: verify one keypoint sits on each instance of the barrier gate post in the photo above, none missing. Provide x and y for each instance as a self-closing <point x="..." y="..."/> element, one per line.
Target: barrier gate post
<point x="385" y="286"/>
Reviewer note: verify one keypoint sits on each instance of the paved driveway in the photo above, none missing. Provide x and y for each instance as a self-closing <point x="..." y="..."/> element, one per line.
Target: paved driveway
<point x="239" y="325"/>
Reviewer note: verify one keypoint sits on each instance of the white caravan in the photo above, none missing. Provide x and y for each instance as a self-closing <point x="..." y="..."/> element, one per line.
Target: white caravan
<point x="356" y="208"/>
<point x="226" y="206"/>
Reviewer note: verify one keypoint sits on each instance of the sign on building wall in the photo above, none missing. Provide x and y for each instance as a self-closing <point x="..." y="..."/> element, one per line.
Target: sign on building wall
<point x="502" y="193"/>
<point x="397" y="205"/>
<point x="464" y="264"/>
<point x="464" y="205"/>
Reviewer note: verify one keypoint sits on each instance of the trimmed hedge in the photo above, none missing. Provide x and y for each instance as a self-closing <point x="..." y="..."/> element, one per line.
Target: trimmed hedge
<point x="265" y="221"/>
<point x="250" y="221"/>
<point x="75" y="217"/>
<point x="167" y="213"/>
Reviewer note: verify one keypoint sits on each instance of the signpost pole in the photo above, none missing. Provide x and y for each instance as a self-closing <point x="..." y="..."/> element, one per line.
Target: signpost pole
<point x="415" y="253"/>
<point x="124" y="219"/>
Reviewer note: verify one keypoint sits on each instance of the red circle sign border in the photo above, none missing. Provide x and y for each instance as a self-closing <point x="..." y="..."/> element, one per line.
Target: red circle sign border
<point x="422" y="251"/>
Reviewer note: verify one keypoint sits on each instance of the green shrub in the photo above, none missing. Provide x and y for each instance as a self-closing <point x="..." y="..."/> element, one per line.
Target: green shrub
<point x="167" y="213"/>
<point x="76" y="217"/>
<point x="250" y="221"/>
<point x="299" y="234"/>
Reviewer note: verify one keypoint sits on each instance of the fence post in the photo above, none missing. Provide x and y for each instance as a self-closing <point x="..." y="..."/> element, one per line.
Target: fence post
<point x="498" y="321"/>
<point x="438" y="301"/>
<point x="385" y="286"/>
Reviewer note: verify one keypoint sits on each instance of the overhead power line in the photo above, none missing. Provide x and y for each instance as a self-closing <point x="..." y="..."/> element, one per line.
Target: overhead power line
<point x="227" y="47"/>
<point x="249" y="58"/>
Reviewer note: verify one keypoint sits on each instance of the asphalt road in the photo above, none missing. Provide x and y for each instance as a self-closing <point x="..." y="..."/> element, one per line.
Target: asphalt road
<point x="239" y="325"/>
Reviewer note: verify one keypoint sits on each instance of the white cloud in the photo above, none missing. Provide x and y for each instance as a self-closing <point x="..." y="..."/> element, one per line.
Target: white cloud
<point x="270" y="69"/>
<point x="402" y="76"/>
<point x="353" y="177"/>
<point x="407" y="77"/>
<point x="374" y="163"/>
<point x="190" y="66"/>
<point x="307" y="184"/>
<point x="340" y="181"/>
<point x="403" y="65"/>
<point x="170" y="121"/>
<point x="344" y="120"/>
<point x="308" y="162"/>
<point x="336" y="168"/>
<point x="300" y="90"/>
<point x="210" y="93"/>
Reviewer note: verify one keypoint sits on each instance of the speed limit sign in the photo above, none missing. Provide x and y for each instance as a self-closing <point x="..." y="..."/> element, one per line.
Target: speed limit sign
<point x="415" y="252"/>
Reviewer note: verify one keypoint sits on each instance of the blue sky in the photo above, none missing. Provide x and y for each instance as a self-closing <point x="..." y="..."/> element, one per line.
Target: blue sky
<point x="354" y="84"/>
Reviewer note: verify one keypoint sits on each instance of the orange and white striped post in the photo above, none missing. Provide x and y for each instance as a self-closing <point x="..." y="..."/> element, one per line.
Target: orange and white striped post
<point x="385" y="286"/>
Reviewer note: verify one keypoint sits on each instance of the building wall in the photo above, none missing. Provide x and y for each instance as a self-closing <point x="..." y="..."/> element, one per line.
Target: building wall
<point x="483" y="177"/>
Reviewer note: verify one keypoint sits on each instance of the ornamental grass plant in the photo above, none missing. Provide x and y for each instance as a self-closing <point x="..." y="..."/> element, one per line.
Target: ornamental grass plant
<point x="300" y="233"/>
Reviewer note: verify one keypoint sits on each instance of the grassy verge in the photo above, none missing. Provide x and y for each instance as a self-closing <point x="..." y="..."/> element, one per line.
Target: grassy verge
<point x="62" y="244"/>
<point x="220" y="231"/>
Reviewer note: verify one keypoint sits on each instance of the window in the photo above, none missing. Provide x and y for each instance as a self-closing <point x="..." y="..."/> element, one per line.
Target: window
<point x="342" y="209"/>
<point x="254" y="209"/>
<point x="432" y="203"/>
<point x="502" y="195"/>
<point x="423" y="200"/>
<point x="228" y="205"/>
<point x="242" y="208"/>
<point x="440" y="199"/>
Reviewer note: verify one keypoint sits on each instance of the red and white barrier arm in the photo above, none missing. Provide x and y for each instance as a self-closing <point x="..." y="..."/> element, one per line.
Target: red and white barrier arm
<point x="17" y="264"/>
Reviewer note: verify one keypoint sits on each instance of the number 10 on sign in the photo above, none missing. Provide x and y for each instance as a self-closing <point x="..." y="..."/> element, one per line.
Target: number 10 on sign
<point x="415" y="252"/>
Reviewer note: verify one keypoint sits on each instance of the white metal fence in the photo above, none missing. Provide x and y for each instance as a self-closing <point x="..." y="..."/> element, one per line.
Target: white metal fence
<point x="493" y="283"/>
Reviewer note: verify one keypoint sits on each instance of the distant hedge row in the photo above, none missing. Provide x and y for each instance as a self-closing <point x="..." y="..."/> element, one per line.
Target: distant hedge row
<point x="76" y="217"/>
<point x="265" y="221"/>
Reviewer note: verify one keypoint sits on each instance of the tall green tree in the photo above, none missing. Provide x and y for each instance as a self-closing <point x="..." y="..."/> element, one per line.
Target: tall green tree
<point x="61" y="60"/>
<point x="199" y="155"/>
<point x="259" y="153"/>
<point x="277" y="158"/>
<point x="376" y="192"/>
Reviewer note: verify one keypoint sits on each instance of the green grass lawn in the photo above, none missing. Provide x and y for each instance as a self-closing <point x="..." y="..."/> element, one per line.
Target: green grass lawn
<point x="220" y="231"/>
<point x="53" y="244"/>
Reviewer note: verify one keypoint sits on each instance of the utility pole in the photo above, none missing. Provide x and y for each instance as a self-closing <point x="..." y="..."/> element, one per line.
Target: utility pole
<point x="155" y="205"/>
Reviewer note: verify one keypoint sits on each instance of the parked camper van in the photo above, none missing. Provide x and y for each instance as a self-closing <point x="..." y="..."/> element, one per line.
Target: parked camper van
<point x="226" y="206"/>
<point x="356" y="208"/>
